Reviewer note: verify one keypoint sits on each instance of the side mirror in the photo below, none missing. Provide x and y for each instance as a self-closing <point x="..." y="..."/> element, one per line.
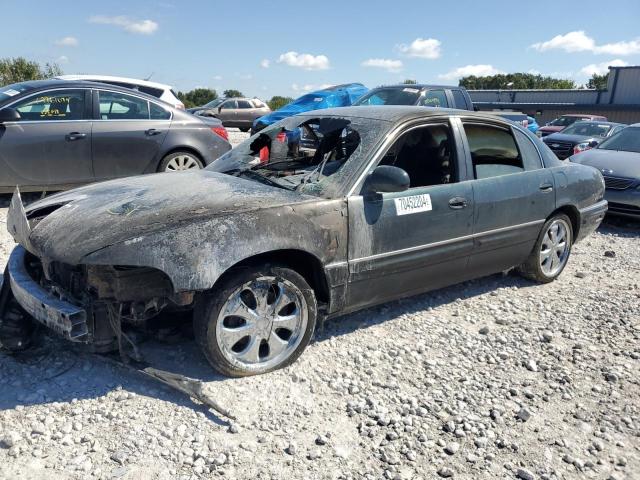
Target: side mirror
<point x="593" y="143"/>
<point x="9" y="115"/>
<point x="386" y="178"/>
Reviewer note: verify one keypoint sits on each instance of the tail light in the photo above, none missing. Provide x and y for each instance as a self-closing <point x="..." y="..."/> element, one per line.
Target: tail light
<point x="221" y="131"/>
<point x="180" y="106"/>
<point x="281" y="137"/>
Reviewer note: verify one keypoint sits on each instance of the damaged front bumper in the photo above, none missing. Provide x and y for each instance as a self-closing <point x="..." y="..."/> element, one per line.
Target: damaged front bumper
<point x="61" y="316"/>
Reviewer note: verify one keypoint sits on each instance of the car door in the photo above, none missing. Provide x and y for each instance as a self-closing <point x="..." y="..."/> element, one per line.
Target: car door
<point x="51" y="144"/>
<point x="228" y="113"/>
<point x="127" y="134"/>
<point x="408" y="242"/>
<point x="513" y="194"/>
<point x="246" y="113"/>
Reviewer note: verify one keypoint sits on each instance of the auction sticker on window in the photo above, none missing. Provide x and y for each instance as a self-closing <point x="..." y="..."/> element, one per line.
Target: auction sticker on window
<point x="413" y="204"/>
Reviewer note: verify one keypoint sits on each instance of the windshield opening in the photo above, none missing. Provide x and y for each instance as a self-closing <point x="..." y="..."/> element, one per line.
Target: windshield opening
<point x="565" y="121"/>
<point x="390" y="96"/>
<point x="627" y="140"/>
<point x="294" y="154"/>
<point x="214" y="103"/>
<point x="588" y="129"/>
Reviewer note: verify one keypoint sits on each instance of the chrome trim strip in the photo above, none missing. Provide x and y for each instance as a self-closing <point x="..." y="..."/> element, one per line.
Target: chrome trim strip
<point x="601" y="205"/>
<point x="336" y="264"/>
<point x="446" y="242"/>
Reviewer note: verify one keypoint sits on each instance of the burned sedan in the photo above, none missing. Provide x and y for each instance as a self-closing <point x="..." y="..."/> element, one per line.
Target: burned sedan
<point x="275" y="237"/>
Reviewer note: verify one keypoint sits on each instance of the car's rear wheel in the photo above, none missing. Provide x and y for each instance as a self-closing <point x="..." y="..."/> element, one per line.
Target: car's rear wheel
<point x="551" y="251"/>
<point x="180" y="161"/>
<point x="259" y="319"/>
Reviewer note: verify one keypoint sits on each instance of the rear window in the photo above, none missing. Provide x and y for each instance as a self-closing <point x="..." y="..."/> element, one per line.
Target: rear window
<point x="459" y="99"/>
<point x="391" y="96"/>
<point x="154" y="92"/>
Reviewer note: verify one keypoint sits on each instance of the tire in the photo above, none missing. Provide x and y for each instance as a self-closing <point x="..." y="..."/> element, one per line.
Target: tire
<point x="180" y="161"/>
<point x="16" y="327"/>
<point x="244" y="129"/>
<point x="541" y="269"/>
<point x="273" y="305"/>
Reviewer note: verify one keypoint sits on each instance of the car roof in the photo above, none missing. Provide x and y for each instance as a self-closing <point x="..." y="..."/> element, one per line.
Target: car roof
<point x="395" y="113"/>
<point x="57" y="83"/>
<point x="419" y="86"/>
<point x="598" y="122"/>
<point x="109" y="78"/>
<point x="581" y="115"/>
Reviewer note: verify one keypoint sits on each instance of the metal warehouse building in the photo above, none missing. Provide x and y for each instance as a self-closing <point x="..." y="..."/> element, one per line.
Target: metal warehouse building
<point x="619" y="102"/>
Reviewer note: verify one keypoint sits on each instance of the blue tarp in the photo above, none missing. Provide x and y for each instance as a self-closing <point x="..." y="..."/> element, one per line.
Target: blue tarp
<point x="338" y="96"/>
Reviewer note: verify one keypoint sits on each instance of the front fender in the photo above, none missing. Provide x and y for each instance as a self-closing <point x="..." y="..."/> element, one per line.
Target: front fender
<point x="194" y="256"/>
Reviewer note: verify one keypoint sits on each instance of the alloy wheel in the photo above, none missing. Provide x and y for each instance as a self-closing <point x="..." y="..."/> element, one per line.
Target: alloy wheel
<point x="262" y="323"/>
<point x="554" y="248"/>
<point x="182" y="162"/>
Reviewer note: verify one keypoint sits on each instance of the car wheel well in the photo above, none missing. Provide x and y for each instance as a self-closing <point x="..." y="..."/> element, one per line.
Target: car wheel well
<point x="304" y="263"/>
<point x="573" y="214"/>
<point x="180" y="149"/>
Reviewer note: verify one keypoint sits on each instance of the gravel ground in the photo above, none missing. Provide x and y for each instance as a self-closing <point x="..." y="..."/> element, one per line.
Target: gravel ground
<point x="494" y="378"/>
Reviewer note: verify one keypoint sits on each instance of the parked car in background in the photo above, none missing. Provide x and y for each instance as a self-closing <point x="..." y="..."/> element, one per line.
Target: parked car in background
<point x="234" y="112"/>
<point x="444" y="96"/>
<point x="516" y="117"/>
<point x="618" y="159"/>
<point x="155" y="89"/>
<point x="532" y="126"/>
<point x="564" y="121"/>
<point x="55" y="134"/>
<point x="580" y="136"/>
<point x="336" y="96"/>
<point x="394" y="201"/>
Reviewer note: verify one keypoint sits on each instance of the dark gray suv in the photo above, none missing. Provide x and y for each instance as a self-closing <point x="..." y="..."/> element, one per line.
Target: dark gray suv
<point x="55" y="134"/>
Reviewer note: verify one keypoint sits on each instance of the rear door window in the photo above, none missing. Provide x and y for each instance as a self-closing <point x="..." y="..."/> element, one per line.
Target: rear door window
<point x="120" y="106"/>
<point x="528" y="151"/>
<point x="493" y="151"/>
<point x="243" y="104"/>
<point x="158" y="113"/>
<point x="434" y="98"/>
<point x="229" y="104"/>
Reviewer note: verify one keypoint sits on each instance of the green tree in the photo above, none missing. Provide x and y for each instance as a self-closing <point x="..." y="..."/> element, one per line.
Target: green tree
<point x="232" y="93"/>
<point x="408" y="81"/>
<point x="197" y="97"/>
<point x="277" y="102"/>
<point x="515" y="81"/>
<point x="599" y="82"/>
<point x="14" y="70"/>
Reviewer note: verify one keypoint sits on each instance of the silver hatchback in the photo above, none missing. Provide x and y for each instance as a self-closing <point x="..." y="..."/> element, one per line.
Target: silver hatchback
<point x="233" y="112"/>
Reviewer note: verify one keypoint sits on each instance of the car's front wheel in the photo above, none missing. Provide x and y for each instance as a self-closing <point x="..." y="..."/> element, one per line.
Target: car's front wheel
<point x="257" y="320"/>
<point x="551" y="251"/>
<point x="180" y="161"/>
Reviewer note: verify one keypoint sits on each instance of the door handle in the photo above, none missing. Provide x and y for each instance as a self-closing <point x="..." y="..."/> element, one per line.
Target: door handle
<point x="457" y="203"/>
<point x="152" y="131"/>
<point x="75" y="136"/>
<point x="546" y="187"/>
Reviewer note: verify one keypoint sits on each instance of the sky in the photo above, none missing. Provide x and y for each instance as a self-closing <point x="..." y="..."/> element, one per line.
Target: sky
<point x="287" y="48"/>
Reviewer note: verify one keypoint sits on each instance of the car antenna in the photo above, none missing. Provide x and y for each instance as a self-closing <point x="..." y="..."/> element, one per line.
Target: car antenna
<point x="149" y="77"/>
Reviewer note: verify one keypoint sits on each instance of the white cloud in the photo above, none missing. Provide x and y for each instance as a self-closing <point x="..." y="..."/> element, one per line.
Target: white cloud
<point x="217" y="77"/>
<point x="477" y="70"/>
<point x="62" y="59"/>
<point x="602" y="68"/>
<point x="309" y="87"/>
<point x="245" y="76"/>
<point x="142" y="27"/>
<point x="422" y="47"/>
<point x="265" y="63"/>
<point x="620" y="48"/>
<point x="304" y="60"/>
<point x="579" y="41"/>
<point x="67" y="42"/>
<point x="387" y="64"/>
